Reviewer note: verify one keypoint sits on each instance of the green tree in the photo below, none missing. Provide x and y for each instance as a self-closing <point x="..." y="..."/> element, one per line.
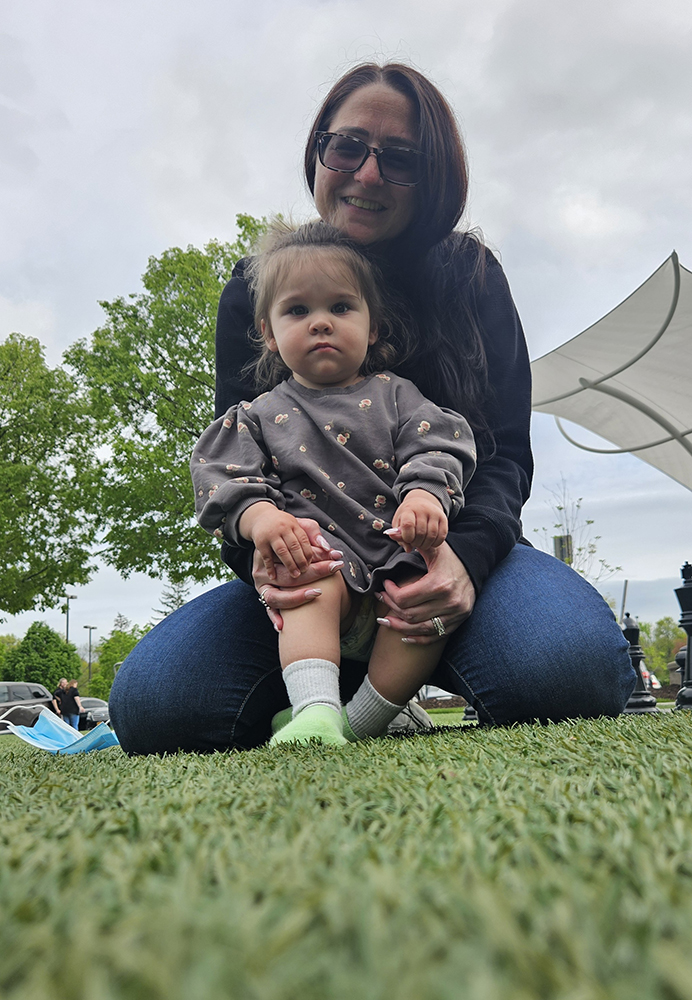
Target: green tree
<point x="111" y="651"/>
<point x="660" y="643"/>
<point x="149" y="373"/>
<point x="7" y="642"/>
<point x="172" y="597"/>
<point x="42" y="657"/>
<point x="48" y="478"/>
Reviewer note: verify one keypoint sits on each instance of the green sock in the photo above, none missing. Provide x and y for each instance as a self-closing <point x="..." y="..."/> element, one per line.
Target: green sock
<point x="319" y="722"/>
<point x="283" y="718"/>
<point x="348" y="732"/>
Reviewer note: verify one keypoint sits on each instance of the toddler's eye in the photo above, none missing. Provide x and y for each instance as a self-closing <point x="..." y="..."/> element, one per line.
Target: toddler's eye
<point x="340" y="307"/>
<point x="297" y="310"/>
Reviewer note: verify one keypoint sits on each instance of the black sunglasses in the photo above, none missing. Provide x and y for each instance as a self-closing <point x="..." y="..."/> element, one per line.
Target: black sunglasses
<point x="346" y="154"/>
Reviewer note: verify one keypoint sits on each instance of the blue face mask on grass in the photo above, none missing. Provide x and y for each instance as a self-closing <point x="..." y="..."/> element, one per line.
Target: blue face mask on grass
<point x="52" y="734"/>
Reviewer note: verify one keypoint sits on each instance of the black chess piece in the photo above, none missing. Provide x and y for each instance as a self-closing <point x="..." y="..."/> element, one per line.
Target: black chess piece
<point x="684" y="596"/>
<point x="641" y="702"/>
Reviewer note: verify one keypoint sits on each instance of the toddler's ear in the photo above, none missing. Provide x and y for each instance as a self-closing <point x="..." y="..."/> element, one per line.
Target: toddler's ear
<point x="267" y="337"/>
<point x="374" y="334"/>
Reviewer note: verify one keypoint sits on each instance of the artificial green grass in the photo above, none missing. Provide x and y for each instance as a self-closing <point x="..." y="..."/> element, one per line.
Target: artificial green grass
<point x="523" y="863"/>
<point x="452" y="717"/>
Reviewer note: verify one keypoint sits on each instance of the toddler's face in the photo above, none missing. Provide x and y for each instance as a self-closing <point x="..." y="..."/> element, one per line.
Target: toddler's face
<point x="320" y="325"/>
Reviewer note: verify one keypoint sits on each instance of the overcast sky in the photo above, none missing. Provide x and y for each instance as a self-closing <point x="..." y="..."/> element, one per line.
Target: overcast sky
<point x="128" y="127"/>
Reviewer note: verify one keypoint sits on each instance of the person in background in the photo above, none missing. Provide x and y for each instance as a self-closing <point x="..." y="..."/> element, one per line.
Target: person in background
<point x="57" y="695"/>
<point x="71" y="704"/>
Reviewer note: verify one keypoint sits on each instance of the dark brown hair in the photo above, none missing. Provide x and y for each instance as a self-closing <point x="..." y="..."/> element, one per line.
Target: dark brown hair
<point x="441" y="195"/>
<point x="281" y="249"/>
<point x="437" y="272"/>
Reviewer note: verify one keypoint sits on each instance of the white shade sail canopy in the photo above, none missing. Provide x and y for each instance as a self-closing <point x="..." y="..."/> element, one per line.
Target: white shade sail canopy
<point x="628" y="378"/>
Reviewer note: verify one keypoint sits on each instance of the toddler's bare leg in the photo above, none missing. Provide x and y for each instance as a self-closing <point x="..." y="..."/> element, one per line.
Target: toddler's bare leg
<point x="395" y="672"/>
<point x="312" y="630"/>
<point x="310" y="658"/>
<point x="398" y="669"/>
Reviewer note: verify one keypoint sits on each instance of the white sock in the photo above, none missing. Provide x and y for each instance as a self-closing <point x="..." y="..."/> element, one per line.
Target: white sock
<point x="368" y="713"/>
<point x="312" y="682"/>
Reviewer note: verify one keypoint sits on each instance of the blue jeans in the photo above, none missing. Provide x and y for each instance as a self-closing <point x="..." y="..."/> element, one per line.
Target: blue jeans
<point x="541" y="644"/>
<point x="71" y="720"/>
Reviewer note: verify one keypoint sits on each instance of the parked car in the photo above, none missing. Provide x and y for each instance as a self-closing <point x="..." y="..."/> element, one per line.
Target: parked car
<point x="651" y="681"/>
<point x="22" y="703"/>
<point x="430" y="691"/>
<point x="95" y="712"/>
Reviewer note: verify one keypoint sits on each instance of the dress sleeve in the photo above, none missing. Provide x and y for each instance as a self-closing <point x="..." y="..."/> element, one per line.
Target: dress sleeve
<point x="230" y="472"/>
<point x="435" y="451"/>
<point x="489" y="526"/>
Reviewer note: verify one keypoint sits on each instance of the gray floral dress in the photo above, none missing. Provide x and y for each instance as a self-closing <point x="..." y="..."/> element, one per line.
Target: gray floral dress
<point x="343" y="456"/>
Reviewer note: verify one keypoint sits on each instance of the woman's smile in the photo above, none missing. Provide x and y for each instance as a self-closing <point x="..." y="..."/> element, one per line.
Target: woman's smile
<point x="370" y="206"/>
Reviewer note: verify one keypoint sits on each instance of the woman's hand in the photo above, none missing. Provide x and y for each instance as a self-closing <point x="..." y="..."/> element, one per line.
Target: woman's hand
<point x="445" y="593"/>
<point x="285" y="591"/>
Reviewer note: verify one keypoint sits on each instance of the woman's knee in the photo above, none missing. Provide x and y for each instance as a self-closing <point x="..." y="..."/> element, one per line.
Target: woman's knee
<point x="188" y="681"/>
<point x="541" y="643"/>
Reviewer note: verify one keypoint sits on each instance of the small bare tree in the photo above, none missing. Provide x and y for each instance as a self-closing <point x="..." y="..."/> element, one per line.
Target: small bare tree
<point x="569" y="520"/>
<point x="172" y="597"/>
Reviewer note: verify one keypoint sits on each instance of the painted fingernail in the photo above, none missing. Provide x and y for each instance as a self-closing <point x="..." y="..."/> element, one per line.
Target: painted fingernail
<point x="321" y="540"/>
<point x="314" y="592"/>
<point x="335" y="553"/>
<point x="392" y="531"/>
<point x="384" y="621"/>
<point x="407" y="640"/>
<point x="336" y="565"/>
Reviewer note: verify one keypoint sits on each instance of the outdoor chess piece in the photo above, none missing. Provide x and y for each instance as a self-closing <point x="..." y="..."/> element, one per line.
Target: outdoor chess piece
<point x="677" y="672"/>
<point x="684" y="596"/>
<point x="641" y="702"/>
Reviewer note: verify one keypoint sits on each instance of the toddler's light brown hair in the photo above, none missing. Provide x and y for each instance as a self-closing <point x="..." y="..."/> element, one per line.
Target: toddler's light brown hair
<point x="285" y="246"/>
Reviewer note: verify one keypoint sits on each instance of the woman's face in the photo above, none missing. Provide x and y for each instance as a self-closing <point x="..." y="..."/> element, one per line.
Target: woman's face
<point x="365" y="207"/>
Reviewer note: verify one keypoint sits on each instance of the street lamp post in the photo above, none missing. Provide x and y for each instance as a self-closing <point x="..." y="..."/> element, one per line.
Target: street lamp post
<point x="91" y="629"/>
<point x="68" y="598"/>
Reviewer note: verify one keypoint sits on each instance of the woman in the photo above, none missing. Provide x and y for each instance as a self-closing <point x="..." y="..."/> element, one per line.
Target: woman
<point x="527" y="637"/>
<point x="71" y="704"/>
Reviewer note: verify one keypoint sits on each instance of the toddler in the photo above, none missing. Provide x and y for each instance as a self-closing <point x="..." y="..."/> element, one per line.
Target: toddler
<point x="342" y="440"/>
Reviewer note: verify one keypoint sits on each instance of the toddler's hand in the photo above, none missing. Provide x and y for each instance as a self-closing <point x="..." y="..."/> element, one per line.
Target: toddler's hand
<point x="419" y="522"/>
<point x="276" y="533"/>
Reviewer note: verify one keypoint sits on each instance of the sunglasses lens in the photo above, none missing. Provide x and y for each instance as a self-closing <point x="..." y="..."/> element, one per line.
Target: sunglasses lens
<point x="401" y="166"/>
<point x="339" y="152"/>
<point x="397" y="164"/>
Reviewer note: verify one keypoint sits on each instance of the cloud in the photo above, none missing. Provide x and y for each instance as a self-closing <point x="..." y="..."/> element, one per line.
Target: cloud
<point x="32" y="319"/>
<point x="130" y="127"/>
